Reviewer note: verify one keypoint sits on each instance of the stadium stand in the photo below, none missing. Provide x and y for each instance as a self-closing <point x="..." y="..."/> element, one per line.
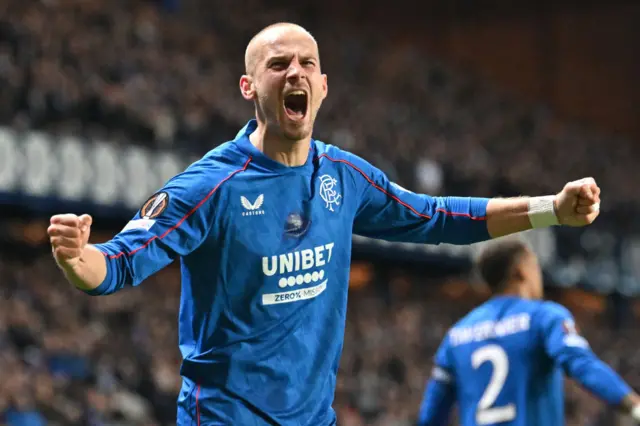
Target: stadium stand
<point x="76" y="360"/>
<point x="126" y="72"/>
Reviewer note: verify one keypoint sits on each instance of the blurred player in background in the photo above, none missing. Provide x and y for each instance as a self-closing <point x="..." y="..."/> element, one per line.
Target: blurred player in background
<point x="263" y="227"/>
<point x="503" y="363"/>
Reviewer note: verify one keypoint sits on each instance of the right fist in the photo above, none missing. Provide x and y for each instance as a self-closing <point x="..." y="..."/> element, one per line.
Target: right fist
<point x="68" y="234"/>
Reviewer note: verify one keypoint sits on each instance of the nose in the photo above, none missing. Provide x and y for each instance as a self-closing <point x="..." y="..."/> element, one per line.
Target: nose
<point x="295" y="71"/>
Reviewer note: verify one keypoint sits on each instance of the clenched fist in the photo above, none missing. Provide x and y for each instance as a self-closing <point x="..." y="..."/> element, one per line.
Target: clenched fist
<point x="578" y="204"/>
<point x="69" y="235"/>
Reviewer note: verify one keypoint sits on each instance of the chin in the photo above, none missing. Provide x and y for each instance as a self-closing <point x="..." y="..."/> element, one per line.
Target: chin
<point x="296" y="136"/>
<point x="296" y="133"/>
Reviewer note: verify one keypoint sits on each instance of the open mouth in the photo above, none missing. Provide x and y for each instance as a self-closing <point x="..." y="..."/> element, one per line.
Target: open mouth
<point x="295" y="104"/>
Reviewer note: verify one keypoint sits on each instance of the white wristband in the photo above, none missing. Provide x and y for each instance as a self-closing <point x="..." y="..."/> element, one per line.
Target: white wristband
<point x="542" y="212"/>
<point x="635" y="413"/>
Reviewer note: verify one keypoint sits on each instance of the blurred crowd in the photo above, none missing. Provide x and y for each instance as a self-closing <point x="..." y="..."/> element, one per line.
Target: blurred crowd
<point x="125" y="70"/>
<point x="70" y="359"/>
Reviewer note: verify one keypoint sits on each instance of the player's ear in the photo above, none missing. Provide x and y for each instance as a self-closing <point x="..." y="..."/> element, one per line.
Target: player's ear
<point x="246" y="87"/>
<point x="518" y="273"/>
<point x="325" y="86"/>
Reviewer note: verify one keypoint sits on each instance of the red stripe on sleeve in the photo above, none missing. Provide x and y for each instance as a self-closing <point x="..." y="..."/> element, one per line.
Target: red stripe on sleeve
<point x="185" y="217"/>
<point x="396" y="199"/>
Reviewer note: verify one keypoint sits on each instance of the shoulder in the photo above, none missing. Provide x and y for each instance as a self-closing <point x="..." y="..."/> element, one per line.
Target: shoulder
<point x="549" y="309"/>
<point x="333" y="153"/>
<point x="355" y="164"/>
<point x="551" y="314"/>
<point x="205" y="176"/>
<point x="226" y="156"/>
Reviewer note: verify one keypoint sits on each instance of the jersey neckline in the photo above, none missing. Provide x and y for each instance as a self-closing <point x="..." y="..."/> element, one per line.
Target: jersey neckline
<point x="259" y="158"/>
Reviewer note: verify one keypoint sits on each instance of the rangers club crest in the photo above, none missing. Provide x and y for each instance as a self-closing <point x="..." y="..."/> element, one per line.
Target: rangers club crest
<point x="328" y="193"/>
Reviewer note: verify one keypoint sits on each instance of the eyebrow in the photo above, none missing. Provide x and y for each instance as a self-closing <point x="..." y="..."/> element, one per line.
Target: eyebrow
<point x="287" y="57"/>
<point x="277" y="57"/>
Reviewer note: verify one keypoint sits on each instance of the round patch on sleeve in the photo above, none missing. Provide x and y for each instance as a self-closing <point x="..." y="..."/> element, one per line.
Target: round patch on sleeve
<point x="155" y="205"/>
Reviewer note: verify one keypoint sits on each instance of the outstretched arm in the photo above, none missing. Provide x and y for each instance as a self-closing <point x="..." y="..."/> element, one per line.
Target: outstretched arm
<point x="568" y="348"/>
<point x="578" y="204"/>
<point x="172" y="223"/>
<point x="388" y="211"/>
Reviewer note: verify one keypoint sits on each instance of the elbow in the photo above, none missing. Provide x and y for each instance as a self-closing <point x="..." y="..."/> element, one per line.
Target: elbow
<point x="463" y="220"/>
<point x="106" y="287"/>
<point x="91" y="291"/>
<point x="460" y="230"/>
<point x="112" y="280"/>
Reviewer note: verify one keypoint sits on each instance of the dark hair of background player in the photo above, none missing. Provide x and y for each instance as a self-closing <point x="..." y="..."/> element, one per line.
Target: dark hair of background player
<point x="497" y="263"/>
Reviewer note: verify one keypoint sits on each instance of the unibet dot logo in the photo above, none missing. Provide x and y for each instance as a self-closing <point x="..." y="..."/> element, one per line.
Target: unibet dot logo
<point x="300" y="279"/>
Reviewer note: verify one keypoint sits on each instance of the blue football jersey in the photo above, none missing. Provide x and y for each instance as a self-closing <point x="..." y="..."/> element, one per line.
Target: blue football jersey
<point x="265" y="251"/>
<point x="504" y="364"/>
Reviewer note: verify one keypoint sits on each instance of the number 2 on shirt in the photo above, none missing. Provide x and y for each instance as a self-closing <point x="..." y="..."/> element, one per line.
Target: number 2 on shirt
<point x="487" y="413"/>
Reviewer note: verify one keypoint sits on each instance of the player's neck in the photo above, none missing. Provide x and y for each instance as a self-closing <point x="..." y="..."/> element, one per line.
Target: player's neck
<point x="516" y="291"/>
<point x="287" y="152"/>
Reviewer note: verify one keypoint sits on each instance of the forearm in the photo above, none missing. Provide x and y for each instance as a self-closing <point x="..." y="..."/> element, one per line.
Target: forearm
<point x="472" y="220"/>
<point x="507" y="216"/>
<point x="89" y="272"/>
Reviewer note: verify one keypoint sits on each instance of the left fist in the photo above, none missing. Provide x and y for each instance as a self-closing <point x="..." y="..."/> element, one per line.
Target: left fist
<point x="578" y="204"/>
